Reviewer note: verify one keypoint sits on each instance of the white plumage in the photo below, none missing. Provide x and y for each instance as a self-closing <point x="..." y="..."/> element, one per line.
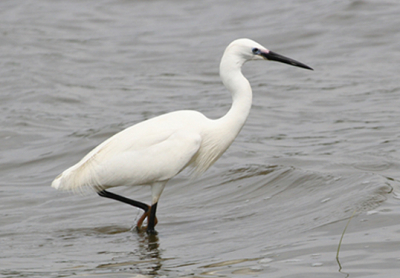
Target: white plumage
<point x="155" y="150"/>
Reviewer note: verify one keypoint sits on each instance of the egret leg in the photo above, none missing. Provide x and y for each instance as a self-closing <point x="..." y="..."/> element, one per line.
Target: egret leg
<point x="131" y="202"/>
<point x="152" y="220"/>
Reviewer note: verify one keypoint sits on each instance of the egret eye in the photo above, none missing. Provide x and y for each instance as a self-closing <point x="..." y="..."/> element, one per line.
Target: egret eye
<point x="256" y="51"/>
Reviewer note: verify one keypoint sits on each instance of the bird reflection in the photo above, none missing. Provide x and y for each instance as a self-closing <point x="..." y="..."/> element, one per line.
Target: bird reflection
<point x="145" y="259"/>
<point x="149" y="253"/>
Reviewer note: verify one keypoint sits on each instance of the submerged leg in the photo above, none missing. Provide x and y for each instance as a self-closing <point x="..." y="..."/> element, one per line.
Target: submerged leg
<point x="152" y="220"/>
<point x="131" y="202"/>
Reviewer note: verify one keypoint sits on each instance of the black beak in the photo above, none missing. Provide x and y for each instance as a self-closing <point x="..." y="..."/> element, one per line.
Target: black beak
<point x="272" y="56"/>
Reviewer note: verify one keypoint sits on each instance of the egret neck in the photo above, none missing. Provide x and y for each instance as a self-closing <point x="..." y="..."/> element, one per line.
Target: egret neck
<point x="233" y="79"/>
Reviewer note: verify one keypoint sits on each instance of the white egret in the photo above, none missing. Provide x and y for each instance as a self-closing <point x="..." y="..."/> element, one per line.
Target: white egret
<point x="154" y="151"/>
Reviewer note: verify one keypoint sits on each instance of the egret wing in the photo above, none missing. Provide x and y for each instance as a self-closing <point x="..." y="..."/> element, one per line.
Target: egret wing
<point x="156" y="162"/>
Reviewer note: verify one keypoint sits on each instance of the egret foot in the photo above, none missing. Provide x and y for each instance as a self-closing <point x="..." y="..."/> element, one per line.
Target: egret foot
<point x="142" y="218"/>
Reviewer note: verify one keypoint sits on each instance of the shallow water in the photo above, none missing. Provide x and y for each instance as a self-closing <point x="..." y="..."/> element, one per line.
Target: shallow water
<point x="317" y="148"/>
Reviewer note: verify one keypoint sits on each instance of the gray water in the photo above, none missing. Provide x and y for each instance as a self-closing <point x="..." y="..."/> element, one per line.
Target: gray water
<point x="318" y="147"/>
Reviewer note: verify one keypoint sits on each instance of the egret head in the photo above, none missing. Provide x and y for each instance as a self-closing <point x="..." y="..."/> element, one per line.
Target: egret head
<point x="246" y="49"/>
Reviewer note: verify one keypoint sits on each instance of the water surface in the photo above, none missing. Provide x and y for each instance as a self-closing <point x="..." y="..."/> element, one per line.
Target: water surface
<point x="317" y="147"/>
